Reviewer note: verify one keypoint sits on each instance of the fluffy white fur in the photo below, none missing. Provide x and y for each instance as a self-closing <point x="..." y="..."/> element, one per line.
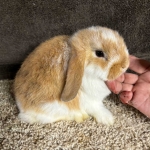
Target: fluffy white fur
<point x="94" y="91"/>
<point x="52" y="112"/>
<point x="106" y="33"/>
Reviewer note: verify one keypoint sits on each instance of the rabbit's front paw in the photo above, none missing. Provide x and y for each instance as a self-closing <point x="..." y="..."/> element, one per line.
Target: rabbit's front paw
<point x="105" y="117"/>
<point x="80" y="117"/>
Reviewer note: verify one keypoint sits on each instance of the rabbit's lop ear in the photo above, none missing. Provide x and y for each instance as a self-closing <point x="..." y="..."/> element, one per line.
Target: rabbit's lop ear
<point x="74" y="75"/>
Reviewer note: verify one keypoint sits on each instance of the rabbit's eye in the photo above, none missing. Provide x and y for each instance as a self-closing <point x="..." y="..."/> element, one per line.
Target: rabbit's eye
<point x="99" y="53"/>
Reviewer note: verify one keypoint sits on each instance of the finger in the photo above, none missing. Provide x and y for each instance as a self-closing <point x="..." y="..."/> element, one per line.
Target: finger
<point x="120" y="78"/>
<point x="114" y="86"/>
<point x="126" y="87"/>
<point x="117" y="87"/>
<point x="138" y="65"/>
<point x="130" y="78"/>
<point x="126" y="96"/>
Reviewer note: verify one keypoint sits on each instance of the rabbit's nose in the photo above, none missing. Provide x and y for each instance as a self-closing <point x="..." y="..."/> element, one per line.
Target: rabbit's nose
<point x="123" y="66"/>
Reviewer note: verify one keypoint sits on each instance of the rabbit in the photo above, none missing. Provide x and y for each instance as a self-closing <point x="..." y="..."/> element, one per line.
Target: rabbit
<point x="64" y="77"/>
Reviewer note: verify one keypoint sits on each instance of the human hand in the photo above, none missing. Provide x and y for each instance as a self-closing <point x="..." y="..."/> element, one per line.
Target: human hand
<point x="134" y="89"/>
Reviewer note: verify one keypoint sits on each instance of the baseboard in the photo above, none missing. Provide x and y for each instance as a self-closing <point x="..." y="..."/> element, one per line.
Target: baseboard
<point x="8" y="71"/>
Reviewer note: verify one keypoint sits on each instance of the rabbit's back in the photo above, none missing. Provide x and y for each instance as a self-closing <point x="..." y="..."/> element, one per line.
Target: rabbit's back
<point x="41" y="76"/>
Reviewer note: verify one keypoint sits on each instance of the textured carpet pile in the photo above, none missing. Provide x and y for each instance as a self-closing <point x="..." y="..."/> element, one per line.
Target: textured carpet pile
<point x="131" y="130"/>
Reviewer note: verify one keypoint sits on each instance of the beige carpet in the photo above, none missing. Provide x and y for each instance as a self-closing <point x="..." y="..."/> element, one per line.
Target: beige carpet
<point x="131" y="130"/>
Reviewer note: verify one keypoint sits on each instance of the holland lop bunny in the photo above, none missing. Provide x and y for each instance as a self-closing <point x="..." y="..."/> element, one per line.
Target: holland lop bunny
<point x="64" y="77"/>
